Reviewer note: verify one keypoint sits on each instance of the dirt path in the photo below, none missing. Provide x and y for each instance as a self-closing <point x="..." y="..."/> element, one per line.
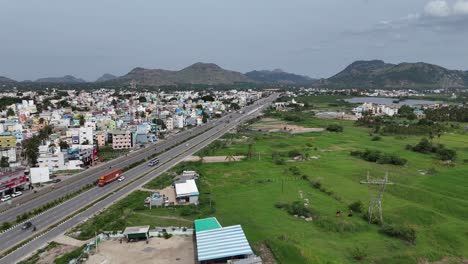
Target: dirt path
<point x="214" y="159"/>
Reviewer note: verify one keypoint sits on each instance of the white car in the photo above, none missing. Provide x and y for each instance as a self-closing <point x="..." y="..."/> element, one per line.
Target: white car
<point x="16" y="194"/>
<point x="6" y="198"/>
<point x="121" y="178"/>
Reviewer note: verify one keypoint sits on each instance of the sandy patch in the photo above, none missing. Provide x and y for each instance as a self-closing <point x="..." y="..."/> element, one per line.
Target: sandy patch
<point x="49" y="256"/>
<point x="214" y="159"/>
<point x="265" y="253"/>
<point x="272" y="125"/>
<point x="177" y="249"/>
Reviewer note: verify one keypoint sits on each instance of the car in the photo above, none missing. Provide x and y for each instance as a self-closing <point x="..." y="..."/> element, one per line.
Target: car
<point x="121" y="178"/>
<point x="26" y="225"/>
<point x="56" y="180"/>
<point x="16" y="194"/>
<point x="5" y="198"/>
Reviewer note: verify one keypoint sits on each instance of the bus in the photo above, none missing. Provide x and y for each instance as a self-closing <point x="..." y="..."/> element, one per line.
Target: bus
<point x="153" y="162"/>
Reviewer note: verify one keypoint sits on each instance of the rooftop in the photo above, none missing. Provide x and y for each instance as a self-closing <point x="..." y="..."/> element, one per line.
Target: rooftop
<point x="136" y="229"/>
<point x="222" y="242"/>
<point x="206" y="224"/>
<point x="186" y="188"/>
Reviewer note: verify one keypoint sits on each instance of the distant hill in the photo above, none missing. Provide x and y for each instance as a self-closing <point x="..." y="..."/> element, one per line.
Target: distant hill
<point x="106" y="77"/>
<point x="64" y="79"/>
<point x="198" y="73"/>
<point x="278" y="76"/>
<point x="378" y="74"/>
<point x="5" y="80"/>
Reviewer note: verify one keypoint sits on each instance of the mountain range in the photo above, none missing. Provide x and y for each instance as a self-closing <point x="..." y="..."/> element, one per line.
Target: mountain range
<point x="278" y="76"/>
<point x="378" y="74"/>
<point x="359" y="74"/>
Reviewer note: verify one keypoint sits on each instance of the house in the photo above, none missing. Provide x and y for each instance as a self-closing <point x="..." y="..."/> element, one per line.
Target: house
<point x="121" y="139"/>
<point x="187" y="192"/>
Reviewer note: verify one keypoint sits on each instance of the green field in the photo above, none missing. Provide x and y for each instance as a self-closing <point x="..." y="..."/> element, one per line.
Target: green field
<point x="434" y="205"/>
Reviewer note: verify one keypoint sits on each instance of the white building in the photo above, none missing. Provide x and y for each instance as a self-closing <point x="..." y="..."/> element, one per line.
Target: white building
<point x="86" y="134"/>
<point x="169" y="124"/>
<point x="179" y="121"/>
<point x="187" y="192"/>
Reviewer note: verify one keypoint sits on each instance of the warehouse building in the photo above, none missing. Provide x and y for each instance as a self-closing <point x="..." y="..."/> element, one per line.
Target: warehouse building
<point x="136" y="232"/>
<point x="217" y="244"/>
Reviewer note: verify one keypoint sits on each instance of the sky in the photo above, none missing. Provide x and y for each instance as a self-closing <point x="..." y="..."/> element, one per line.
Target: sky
<point x="87" y="38"/>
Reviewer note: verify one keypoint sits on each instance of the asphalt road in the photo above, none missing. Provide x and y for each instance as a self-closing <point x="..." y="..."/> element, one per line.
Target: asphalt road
<point x="168" y="159"/>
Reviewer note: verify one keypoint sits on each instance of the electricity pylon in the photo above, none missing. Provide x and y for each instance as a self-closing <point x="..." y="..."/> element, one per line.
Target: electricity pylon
<point x="376" y="197"/>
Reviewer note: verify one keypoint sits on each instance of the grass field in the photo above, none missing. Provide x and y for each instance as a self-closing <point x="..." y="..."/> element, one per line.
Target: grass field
<point x="434" y="205"/>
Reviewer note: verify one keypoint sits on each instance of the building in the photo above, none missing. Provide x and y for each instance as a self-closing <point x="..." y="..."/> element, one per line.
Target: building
<point x="217" y="244"/>
<point x="100" y="138"/>
<point x="187" y="192"/>
<point x="12" y="180"/>
<point x="86" y="135"/>
<point x="122" y="139"/>
<point x="169" y="124"/>
<point x="7" y="140"/>
<point x="136" y="232"/>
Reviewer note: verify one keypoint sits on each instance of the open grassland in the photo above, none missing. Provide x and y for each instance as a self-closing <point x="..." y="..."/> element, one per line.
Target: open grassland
<point x="434" y="204"/>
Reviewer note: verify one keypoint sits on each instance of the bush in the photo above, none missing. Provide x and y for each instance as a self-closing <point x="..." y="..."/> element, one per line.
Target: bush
<point x="446" y="154"/>
<point x="379" y="157"/>
<point x="376" y="138"/>
<point x="359" y="253"/>
<point x="335" y="128"/>
<point x="356" y="207"/>
<point x="403" y="232"/>
<point x="167" y="235"/>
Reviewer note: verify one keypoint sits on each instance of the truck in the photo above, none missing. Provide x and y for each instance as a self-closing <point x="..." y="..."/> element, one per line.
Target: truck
<point x="109" y="177"/>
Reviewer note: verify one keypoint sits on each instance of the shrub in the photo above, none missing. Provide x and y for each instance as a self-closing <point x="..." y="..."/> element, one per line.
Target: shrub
<point x="356" y="207"/>
<point x="298" y="208"/>
<point x="379" y="157"/>
<point x="359" y="253"/>
<point x="402" y="232"/>
<point x="376" y="138"/>
<point x="335" y="128"/>
<point x="446" y="154"/>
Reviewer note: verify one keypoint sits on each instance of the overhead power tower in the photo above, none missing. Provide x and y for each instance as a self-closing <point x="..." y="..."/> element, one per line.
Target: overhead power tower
<point x="376" y="191"/>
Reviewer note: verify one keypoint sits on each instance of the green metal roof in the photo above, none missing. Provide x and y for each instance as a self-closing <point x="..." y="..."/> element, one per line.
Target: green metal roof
<point x="206" y="224"/>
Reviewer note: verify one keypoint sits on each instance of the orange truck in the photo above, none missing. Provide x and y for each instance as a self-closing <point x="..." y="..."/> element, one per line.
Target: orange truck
<point x="109" y="177"/>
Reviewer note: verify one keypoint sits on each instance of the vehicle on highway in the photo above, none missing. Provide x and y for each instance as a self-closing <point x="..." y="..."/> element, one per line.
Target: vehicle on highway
<point x="109" y="177"/>
<point x="26" y="225"/>
<point x="121" y="178"/>
<point x="16" y="194"/>
<point x="153" y="162"/>
<point x="56" y="180"/>
<point x="5" y="198"/>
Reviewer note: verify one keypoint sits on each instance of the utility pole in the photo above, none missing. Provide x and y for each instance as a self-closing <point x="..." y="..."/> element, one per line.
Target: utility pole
<point x="376" y="197"/>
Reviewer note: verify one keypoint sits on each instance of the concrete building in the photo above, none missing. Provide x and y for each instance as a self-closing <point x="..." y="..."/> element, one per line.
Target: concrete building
<point x="169" y="124"/>
<point x="86" y="135"/>
<point x="122" y="139"/>
<point x="12" y="180"/>
<point x="100" y="138"/>
<point x="187" y="192"/>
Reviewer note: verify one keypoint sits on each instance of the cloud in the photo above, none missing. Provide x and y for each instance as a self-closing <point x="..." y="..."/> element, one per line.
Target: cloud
<point x="437" y="8"/>
<point x="461" y="7"/>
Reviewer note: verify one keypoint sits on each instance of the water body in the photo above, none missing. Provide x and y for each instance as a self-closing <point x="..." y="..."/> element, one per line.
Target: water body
<point x="389" y="101"/>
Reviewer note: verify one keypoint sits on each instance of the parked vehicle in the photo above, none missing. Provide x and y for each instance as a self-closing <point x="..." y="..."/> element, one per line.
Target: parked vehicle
<point x="56" y="180"/>
<point x="26" y="225"/>
<point x="16" y="194"/>
<point x="109" y="177"/>
<point x="5" y="198"/>
<point x="153" y="162"/>
<point x="121" y="178"/>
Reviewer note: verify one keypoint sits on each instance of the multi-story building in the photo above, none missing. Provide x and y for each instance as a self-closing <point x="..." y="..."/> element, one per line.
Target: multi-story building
<point x="169" y="124"/>
<point x="86" y="135"/>
<point x="100" y="137"/>
<point x="12" y="180"/>
<point x="122" y="139"/>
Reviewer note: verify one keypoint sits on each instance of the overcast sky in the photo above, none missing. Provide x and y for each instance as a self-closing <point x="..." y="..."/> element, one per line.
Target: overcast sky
<point x="86" y="38"/>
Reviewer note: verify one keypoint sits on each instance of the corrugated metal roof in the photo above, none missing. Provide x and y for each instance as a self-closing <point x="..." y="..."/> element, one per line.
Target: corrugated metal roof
<point x="187" y="188"/>
<point x="222" y="243"/>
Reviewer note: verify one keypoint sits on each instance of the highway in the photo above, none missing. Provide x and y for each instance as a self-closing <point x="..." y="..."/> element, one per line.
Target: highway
<point x="135" y="178"/>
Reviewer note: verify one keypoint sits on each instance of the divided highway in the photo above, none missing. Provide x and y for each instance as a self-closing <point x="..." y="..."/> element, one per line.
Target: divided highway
<point x="135" y="178"/>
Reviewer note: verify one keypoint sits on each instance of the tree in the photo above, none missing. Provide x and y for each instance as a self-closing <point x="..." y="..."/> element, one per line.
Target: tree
<point x="63" y="145"/>
<point x="142" y="99"/>
<point x="142" y="114"/>
<point x="235" y="106"/>
<point x="82" y="120"/>
<point x="52" y="148"/>
<point x="10" y="112"/>
<point x="32" y="149"/>
<point x="4" y="162"/>
<point x="41" y="120"/>
<point x="204" y="119"/>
